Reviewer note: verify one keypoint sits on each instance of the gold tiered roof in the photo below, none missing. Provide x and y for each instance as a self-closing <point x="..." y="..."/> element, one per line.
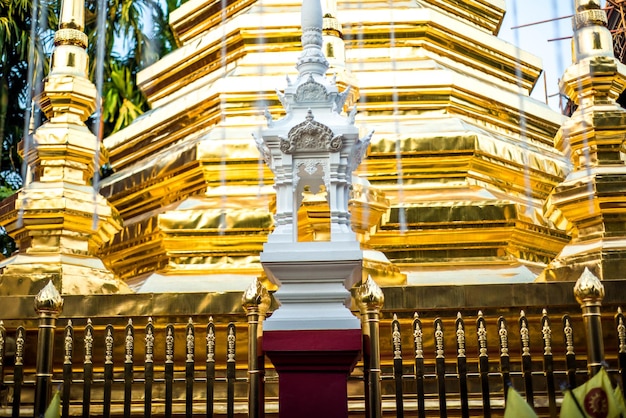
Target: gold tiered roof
<point x="453" y="185"/>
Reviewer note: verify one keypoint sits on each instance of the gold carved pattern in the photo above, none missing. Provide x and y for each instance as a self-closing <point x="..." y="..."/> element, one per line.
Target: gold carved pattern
<point x="169" y="344"/>
<point x="230" y="356"/>
<point x="504" y="337"/>
<point x="460" y="336"/>
<point x="190" y="342"/>
<point x="396" y="338"/>
<point x="481" y="331"/>
<point x="19" y="347"/>
<point x="2" y="341"/>
<point x="68" y="343"/>
<point x="568" y="332"/>
<point x="88" y="342"/>
<point x="129" y="342"/>
<point x="418" y="337"/>
<point x="149" y="341"/>
<point x="621" y="331"/>
<point x="547" y="334"/>
<point x="439" y="338"/>
<point x="210" y="342"/>
<point x="68" y="36"/>
<point x="524" y="334"/>
<point x="108" y="346"/>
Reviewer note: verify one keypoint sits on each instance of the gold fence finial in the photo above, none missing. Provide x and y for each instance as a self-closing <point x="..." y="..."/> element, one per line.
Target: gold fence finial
<point x="588" y="287"/>
<point x="369" y="295"/>
<point x="49" y="299"/>
<point x="256" y="297"/>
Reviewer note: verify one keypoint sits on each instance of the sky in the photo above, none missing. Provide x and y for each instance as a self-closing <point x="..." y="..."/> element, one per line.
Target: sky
<point x="556" y="55"/>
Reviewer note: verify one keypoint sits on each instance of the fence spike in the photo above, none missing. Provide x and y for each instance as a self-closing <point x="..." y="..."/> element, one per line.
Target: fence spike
<point x="149" y="338"/>
<point x="231" y="344"/>
<point x="547" y="334"/>
<point x="524" y="334"/>
<point x="2" y="341"/>
<point x="190" y="342"/>
<point x="68" y="343"/>
<point x="418" y="337"/>
<point x="504" y="337"/>
<point x="129" y="342"/>
<point x="19" y="346"/>
<point x="169" y="344"/>
<point x="481" y="332"/>
<point x="396" y="338"/>
<point x="439" y="338"/>
<point x="621" y="331"/>
<point x="210" y="342"/>
<point x="108" y="344"/>
<point x="88" y="341"/>
<point x="568" y="332"/>
<point x="460" y="335"/>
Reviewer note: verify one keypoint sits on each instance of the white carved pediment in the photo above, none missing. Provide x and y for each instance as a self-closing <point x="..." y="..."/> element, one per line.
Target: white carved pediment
<point x="310" y="136"/>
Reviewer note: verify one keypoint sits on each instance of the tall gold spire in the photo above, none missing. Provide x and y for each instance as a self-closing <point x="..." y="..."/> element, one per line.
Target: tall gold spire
<point x="52" y="218"/>
<point x="589" y="204"/>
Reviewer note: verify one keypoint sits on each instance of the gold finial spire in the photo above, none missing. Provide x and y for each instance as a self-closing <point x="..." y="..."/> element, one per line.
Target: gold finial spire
<point x="72" y="15"/>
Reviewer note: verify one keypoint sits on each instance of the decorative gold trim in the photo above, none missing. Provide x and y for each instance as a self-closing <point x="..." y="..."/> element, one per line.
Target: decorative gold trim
<point x="210" y="342"/>
<point x="19" y="346"/>
<point x="547" y="334"/>
<point x="68" y="343"/>
<point x="460" y="335"/>
<point x="396" y="338"/>
<point x="129" y="343"/>
<point x="149" y="341"/>
<point x="504" y="337"/>
<point x="568" y="332"/>
<point x="481" y="331"/>
<point x="439" y="338"/>
<point x="621" y="331"/>
<point x="418" y="337"/>
<point x="169" y="344"/>
<point x="2" y="341"/>
<point x="230" y="356"/>
<point x="190" y="342"/>
<point x="108" y="344"/>
<point x="69" y="36"/>
<point x="524" y="334"/>
<point x="88" y="341"/>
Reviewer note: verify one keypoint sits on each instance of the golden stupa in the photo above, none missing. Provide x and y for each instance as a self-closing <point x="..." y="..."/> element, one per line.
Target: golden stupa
<point x="453" y="186"/>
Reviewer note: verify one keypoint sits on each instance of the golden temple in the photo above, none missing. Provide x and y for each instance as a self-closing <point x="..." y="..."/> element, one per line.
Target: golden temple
<point x="463" y="178"/>
<point x="469" y="182"/>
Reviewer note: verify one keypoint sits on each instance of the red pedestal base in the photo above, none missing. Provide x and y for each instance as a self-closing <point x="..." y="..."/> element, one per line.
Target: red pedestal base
<point x="313" y="368"/>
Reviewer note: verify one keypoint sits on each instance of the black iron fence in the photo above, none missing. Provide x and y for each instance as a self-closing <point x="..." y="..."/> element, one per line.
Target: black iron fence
<point x="168" y="370"/>
<point x="434" y="365"/>
<point x="463" y="367"/>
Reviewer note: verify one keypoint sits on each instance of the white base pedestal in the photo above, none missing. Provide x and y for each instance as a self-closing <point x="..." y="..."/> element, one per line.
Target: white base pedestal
<point x="314" y="279"/>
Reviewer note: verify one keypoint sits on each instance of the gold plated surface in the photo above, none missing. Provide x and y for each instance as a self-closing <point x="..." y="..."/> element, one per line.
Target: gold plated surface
<point x="454" y="181"/>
